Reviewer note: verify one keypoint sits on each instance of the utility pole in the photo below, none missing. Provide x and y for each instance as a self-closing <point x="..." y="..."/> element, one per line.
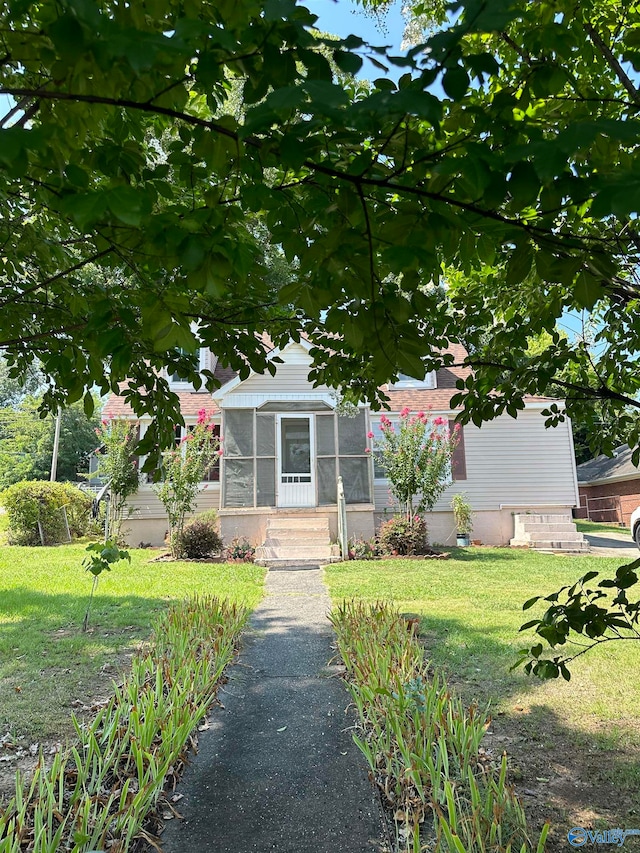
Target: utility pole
<point x="56" y="445"/>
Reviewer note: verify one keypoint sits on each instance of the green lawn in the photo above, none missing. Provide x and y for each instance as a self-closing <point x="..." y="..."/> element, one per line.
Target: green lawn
<point x="599" y="527"/>
<point x="471" y="609"/>
<point x="47" y="666"/>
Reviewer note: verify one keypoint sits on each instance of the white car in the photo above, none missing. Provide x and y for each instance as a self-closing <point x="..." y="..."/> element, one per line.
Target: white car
<point x="634" y="524"/>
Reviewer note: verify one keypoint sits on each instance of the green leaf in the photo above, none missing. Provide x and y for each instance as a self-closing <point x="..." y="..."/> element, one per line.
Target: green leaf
<point x="68" y="37"/>
<point x="89" y="404"/>
<point x="350" y="63"/>
<point x="520" y="264"/>
<point x="126" y="203"/>
<point x="455" y="82"/>
<point x="524" y="184"/>
<point x="587" y="290"/>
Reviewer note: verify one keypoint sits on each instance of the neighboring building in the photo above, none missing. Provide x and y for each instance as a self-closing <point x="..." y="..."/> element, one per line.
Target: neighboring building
<point x="285" y="446"/>
<point x="609" y="487"/>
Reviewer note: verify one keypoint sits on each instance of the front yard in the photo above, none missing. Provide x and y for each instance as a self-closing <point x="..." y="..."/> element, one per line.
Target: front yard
<point x="574" y="748"/>
<point x="49" y="668"/>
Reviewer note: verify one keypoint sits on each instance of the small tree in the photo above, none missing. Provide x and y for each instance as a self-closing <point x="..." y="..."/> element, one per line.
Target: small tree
<point x="416" y="457"/>
<point x="183" y="470"/>
<point x="117" y="463"/>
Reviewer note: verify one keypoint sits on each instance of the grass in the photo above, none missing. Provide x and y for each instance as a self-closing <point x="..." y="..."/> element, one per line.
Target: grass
<point x="585" y="526"/>
<point x="47" y="666"/>
<point x="470" y="610"/>
<point x="100" y="794"/>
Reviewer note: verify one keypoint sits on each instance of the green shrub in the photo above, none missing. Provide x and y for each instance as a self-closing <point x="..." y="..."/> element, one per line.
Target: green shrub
<point x="401" y="535"/>
<point x="199" y="538"/>
<point x="33" y="501"/>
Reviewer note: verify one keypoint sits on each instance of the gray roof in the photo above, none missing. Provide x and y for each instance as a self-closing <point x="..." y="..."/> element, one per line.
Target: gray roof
<point x="608" y="467"/>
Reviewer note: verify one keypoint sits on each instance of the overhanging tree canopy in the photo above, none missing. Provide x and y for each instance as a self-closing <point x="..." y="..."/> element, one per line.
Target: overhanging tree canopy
<point x="131" y="191"/>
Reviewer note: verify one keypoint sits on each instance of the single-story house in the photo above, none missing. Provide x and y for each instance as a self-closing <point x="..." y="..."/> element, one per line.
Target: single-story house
<point x="609" y="487"/>
<point x="287" y="442"/>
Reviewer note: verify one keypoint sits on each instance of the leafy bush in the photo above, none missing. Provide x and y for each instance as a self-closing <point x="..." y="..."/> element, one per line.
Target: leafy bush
<point x="402" y="535"/>
<point x="462" y="513"/>
<point x="362" y="549"/>
<point x="33" y="501"/>
<point x="199" y="538"/>
<point x="240" y="549"/>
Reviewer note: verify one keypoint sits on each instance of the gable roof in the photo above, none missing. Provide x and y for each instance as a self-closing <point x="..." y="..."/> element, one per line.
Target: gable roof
<point x="602" y="468"/>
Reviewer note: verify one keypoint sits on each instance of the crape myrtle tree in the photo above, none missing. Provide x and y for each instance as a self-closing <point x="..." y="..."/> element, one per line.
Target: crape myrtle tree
<point x="505" y="152"/>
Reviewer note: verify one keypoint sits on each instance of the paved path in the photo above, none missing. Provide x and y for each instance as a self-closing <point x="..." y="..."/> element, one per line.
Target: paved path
<point x="612" y="545"/>
<point x="276" y="770"/>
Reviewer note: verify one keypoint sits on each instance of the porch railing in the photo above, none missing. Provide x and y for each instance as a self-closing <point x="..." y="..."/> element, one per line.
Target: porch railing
<point x="343" y="539"/>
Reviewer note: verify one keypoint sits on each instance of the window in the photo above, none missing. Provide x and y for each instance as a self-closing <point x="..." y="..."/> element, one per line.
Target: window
<point x="212" y="474"/>
<point x="404" y="381"/>
<point x="200" y="356"/>
<point x="458" y="469"/>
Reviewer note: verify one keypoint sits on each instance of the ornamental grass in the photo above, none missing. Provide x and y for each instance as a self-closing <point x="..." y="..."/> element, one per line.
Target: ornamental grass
<point x="422" y="745"/>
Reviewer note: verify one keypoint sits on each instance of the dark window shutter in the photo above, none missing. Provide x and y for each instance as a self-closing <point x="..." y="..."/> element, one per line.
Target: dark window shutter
<point x="458" y="460"/>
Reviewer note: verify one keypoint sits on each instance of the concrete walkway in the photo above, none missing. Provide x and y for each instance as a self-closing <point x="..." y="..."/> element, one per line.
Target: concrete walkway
<point x="276" y="770"/>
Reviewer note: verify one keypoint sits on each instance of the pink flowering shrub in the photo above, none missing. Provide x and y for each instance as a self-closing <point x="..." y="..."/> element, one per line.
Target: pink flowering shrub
<point x="183" y="469"/>
<point x="416" y="458"/>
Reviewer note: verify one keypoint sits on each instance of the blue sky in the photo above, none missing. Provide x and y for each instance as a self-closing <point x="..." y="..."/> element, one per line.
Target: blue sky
<point x="343" y="18"/>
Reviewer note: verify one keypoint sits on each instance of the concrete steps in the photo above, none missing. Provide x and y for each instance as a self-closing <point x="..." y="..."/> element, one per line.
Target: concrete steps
<point x="546" y="532"/>
<point x="295" y="540"/>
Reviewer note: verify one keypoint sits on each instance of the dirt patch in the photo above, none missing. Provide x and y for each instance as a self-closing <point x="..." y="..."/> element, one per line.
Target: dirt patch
<point x="588" y="779"/>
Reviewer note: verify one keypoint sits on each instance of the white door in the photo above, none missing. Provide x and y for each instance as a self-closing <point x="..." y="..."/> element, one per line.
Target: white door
<point x="296" y="461"/>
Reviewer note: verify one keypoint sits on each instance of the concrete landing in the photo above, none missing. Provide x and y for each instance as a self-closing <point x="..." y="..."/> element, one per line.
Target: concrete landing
<point x="276" y="770"/>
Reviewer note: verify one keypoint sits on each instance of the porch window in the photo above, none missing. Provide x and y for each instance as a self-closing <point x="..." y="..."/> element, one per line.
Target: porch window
<point x="249" y="459"/>
<point x="349" y="437"/>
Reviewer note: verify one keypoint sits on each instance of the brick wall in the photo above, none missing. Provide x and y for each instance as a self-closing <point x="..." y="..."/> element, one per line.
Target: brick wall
<point x="616" y="500"/>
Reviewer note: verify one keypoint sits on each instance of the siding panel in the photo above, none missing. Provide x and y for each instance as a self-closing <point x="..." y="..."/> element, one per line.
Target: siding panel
<point x="146" y="504"/>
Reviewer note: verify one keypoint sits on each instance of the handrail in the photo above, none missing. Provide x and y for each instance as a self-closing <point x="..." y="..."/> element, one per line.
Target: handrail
<point x="343" y="539"/>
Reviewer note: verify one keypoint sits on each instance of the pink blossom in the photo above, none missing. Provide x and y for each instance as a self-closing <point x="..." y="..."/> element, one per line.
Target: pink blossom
<point x="202" y="416"/>
<point x="367" y="450"/>
<point x="98" y="432"/>
<point x="370" y="435"/>
<point x="420" y="415"/>
<point x="457" y="428"/>
<point x="220" y="452"/>
<point x="439" y="421"/>
<point x="384" y="421"/>
<point x="105" y="422"/>
<point x="405" y="412"/>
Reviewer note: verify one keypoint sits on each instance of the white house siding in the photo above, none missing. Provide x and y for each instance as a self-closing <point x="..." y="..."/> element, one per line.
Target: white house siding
<point x="511" y="465"/>
<point x="148" y="520"/>
<point x="290" y="378"/>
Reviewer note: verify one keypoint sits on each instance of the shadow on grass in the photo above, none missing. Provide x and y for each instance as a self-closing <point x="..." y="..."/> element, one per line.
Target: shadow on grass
<point x="23" y="608"/>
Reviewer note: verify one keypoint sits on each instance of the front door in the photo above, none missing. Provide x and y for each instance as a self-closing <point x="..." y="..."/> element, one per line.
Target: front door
<point x="296" y="461"/>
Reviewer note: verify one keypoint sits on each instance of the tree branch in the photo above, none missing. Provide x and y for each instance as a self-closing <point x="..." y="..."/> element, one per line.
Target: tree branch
<point x="614" y="64"/>
<point x="43" y="284"/>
